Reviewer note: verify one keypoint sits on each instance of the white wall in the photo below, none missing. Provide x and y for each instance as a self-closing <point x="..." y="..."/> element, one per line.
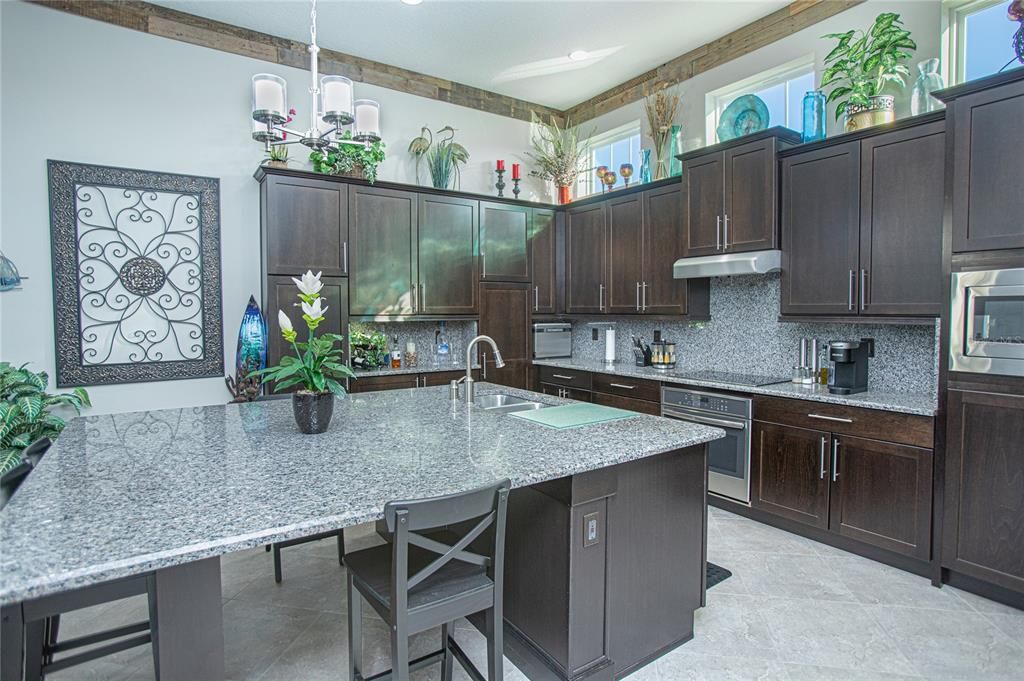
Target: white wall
<point x="921" y="18"/>
<point x="79" y="90"/>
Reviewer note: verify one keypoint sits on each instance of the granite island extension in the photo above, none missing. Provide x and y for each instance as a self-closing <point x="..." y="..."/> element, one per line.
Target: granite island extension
<point x="166" y="493"/>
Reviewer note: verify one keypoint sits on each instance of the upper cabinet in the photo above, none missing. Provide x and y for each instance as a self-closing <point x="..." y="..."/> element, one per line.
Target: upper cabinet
<point x="383" y="238"/>
<point x="543" y="259"/>
<point x="305" y="226"/>
<point x="730" y="195"/>
<point x="984" y="119"/>
<point x="586" y="259"/>
<point x="504" y="242"/>
<point x="446" y="245"/>
<point x="862" y="224"/>
<point x="625" y="254"/>
<point x="660" y="292"/>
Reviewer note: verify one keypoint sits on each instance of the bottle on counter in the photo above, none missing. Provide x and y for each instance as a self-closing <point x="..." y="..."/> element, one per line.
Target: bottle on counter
<point x="396" y="354"/>
<point x="442" y="347"/>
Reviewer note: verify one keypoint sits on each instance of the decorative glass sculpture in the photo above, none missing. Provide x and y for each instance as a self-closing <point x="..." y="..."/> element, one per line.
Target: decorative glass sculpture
<point x="251" y="353"/>
<point x="928" y="81"/>
<point x="814" y="116"/>
<point x="675" y="166"/>
<point x="9" y="276"/>
<point x="645" y="166"/>
<point x="626" y="171"/>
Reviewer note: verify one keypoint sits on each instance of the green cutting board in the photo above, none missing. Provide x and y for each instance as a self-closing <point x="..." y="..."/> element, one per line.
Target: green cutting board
<point x="574" y="415"/>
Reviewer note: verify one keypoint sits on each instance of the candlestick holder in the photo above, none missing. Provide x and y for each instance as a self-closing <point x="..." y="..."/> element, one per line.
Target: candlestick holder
<point x="500" y="184"/>
<point x="515" y="187"/>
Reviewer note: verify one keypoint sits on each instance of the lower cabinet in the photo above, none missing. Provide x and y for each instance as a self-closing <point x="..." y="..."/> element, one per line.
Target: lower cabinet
<point x="568" y="393"/>
<point x="366" y="384"/>
<point x="789" y="472"/>
<point x="505" y="317"/>
<point x="628" y="403"/>
<point x="632" y="394"/>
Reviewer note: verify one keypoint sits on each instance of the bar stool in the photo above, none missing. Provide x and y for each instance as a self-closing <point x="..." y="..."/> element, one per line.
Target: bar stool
<point x="448" y="581"/>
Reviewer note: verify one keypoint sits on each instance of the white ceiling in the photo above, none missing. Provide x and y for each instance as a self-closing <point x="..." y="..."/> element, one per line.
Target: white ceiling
<point x="515" y="47"/>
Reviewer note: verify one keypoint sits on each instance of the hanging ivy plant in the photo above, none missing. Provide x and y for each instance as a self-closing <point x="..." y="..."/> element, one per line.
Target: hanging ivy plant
<point x="350" y="159"/>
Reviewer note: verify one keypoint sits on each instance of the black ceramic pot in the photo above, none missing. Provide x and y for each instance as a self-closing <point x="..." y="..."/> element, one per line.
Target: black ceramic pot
<point x="313" y="411"/>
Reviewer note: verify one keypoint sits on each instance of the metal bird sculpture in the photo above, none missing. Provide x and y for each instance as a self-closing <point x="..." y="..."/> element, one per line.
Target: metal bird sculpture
<point x="419" y="146"/>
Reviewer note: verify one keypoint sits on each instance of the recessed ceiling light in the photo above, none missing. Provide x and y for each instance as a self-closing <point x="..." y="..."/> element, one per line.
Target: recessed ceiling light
<point x="411" y="2"/>
<point x="578" y="55"/>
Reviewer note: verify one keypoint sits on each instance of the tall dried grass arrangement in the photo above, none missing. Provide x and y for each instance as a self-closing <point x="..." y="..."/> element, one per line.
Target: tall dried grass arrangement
<point x="560" y="153"/>
<point x="661" y="109"/>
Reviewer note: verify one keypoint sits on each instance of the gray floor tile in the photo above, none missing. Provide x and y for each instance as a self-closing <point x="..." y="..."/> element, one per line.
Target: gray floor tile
<point x="734" y="624"/>
<point x="783" y="575"/>
<point x="803" y="672"/>
<point x="982" y="604"/>
<point x="741" y="534"/>
<point x="256" y="634"/>
<point x="879" y="584"/>
<point x="309" y="582"/>
<point x="682" y="665"/>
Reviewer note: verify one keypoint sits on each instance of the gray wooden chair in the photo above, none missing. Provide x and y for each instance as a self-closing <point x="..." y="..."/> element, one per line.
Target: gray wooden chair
<point x="417" y="582"/>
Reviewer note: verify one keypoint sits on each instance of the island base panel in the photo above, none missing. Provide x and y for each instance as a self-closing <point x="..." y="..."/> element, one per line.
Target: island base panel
<point x="187" y="622"/>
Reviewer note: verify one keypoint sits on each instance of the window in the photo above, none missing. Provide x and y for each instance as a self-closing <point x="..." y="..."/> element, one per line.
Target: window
<point x="977" y="38"/>
<point x="782" y="90"/>
<point x="612" y="149"/>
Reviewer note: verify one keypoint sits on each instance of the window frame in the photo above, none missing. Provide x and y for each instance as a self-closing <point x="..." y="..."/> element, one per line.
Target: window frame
<point x="609" y="138"/>
<point x="954" y="52"/>
<point x="768" y="78"/>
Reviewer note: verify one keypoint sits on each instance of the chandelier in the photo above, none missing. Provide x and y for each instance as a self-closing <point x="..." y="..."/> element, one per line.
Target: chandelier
<point x="330" y="103"/>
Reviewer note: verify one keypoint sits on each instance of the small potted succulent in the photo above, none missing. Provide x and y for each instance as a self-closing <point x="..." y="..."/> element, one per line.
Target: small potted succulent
<point x="277" y="154"/>
<point x="318" y="366"/>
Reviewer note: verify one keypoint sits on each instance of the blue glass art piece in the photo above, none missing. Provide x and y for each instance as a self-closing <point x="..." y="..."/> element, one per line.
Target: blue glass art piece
<point x="250" y="354"/>
<point x="745" y="115"/>
<point x="9" y="276"/>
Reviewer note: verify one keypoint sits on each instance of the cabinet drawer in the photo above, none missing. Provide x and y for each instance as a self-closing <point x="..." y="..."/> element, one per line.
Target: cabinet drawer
<point x="876" y="424"/>
<point x="629" y="403"/>
<point x="572" y="378"/>
<point x="637" y="388"/>
<point x="367" y="384"/>
<point x="567" y="393"/>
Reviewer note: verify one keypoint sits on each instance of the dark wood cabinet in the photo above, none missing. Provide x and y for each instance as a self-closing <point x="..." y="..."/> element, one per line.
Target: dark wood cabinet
<point x="627" y="403"/>
<point x="660" y="292"/>
<point x="505" y="317"/>
<point x="704" y="183"/>
<point x="305" y="226"/>
<point x="984" y="118"/>
<point x="790" y="472"/>
<point x="750" y="220"/>
<point x="504" y="242"/>
<point x="902" y="175"/>
<point x="568" y="393"/>
<point x="881" y="494"/>
<point x="983" y="535"/>
<point x="586" y="246"/>
<point x="821" y="230"/>
<point x="382" y="239"/>
<point x="367" y="384"/>
<point x="446" y="247"/>
<point x="625" y="258"/>
<point x="543" y="260"/>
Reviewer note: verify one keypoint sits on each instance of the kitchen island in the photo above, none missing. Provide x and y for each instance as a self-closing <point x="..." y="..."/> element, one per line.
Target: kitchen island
<point x="166" y="493"/>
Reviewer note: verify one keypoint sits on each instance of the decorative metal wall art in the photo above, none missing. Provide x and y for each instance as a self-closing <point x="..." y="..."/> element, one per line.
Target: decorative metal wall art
<point x="136" y="275"/>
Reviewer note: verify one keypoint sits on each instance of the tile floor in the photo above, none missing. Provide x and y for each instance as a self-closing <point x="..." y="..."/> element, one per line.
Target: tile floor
<point x="794" y="610"/>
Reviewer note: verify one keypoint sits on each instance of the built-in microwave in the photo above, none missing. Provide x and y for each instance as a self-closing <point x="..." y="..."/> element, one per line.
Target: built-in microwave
<point x="987" y="322"/>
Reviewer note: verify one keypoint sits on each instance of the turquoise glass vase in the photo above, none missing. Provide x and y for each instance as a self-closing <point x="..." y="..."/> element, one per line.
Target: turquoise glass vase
<point x="675" y="166"/>
<point x="645" y="166"/>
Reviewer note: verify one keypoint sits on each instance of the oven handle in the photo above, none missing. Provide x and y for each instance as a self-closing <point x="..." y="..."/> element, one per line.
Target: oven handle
<point x="704" y="420"/>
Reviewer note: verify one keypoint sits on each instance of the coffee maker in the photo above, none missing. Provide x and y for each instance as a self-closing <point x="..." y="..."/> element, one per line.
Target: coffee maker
<point x="850" y="365"/>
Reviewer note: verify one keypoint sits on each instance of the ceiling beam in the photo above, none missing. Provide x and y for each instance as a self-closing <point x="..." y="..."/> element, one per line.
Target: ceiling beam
<point x="168" y="23"/>
<point x="780" y="24"/>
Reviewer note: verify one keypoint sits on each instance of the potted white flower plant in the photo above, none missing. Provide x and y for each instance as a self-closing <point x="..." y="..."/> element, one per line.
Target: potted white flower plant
<point x="318" y="365"/>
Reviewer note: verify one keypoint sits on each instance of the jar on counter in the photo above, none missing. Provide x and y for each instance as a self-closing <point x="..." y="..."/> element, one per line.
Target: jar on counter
<point x="410" y="354"/>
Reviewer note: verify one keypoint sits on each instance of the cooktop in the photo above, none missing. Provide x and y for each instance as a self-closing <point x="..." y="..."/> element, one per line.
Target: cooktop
<point x="735" y="378"/>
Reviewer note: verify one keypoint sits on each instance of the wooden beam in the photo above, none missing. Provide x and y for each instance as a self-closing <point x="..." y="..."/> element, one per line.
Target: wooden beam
<point x="797" y="16"/>
<point x="216" y="35"/>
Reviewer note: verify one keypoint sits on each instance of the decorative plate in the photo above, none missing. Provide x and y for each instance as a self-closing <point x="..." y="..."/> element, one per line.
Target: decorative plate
<point x="745" y="115"/>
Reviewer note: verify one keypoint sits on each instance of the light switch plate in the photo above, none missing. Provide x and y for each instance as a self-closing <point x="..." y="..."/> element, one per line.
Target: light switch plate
<point x="591" y="529"/>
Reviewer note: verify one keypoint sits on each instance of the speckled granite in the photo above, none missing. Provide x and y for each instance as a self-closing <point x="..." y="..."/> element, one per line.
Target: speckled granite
<point x="923" y="404"/>
<point x="128" y="493"/>
<point x="744" y="335"/>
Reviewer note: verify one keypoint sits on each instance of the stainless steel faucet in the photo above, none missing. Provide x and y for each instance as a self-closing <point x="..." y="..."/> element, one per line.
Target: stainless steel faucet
<point x="468" y="378"/>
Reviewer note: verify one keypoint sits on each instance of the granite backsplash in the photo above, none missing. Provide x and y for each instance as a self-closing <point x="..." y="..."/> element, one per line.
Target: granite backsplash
<point x="744" y="335"/>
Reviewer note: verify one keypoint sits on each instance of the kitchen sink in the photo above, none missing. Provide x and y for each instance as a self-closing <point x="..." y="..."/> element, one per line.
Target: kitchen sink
<point x="506" y="403"/>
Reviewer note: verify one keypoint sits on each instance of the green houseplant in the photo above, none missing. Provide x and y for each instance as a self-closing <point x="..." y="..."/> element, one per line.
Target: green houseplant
<point x="443" y="157"/>
<point x="861" y="65"/>
<point x="317" y="367"/>
<point x="350" y="160"/>
<point x="561" y="154"/>
<point x="25" y="414"/>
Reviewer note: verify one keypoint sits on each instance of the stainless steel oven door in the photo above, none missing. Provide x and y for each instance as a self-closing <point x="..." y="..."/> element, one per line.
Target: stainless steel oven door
<point x="987" y="322"/>
<point x="728" y="457"/>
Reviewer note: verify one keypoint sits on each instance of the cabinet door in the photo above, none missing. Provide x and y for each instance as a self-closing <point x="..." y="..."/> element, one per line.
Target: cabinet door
<point x="625" y="237"/>
<point x="446" y="247"/>
<point x="987" y="169"/>
<point x="984" y="499"/>
<point x="660" y="293"/>
<point x="902" y="205"/>
<point x="882" y="494"/>
<point x="280" y="294"/>
<point x="704" y="197"/>
<point x="567" y="393"/>
<point x="368" y="384"/>
<point x="586" y="246"/>
<point x="821" y="231"/>
<point x="627" y="403"/>
<point x="383" y="230"/>
<point x="504" y="242"/>
<point x="542" y="256"/>
<point x="305" y="226"/>
<point x="505" y="317"/>
<point x="789" y="472"/>
<point x="750" y="221"/>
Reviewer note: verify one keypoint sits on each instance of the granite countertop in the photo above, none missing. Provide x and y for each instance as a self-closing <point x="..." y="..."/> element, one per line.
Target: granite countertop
<point x="921" y="404"/>
<point x="124" y="494"/>
<point x="427" y="368"/>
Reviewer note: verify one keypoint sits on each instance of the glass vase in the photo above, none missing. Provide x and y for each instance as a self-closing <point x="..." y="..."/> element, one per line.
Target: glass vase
<point x="814" y="116"/>
<point x="645" y="166"/>
<point x="675" y="166"/>
<point x="928" y="81"/>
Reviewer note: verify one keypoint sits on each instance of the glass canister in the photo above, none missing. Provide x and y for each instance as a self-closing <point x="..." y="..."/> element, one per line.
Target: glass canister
<point x="928" y="81"/>
<point x="814" y="116"/>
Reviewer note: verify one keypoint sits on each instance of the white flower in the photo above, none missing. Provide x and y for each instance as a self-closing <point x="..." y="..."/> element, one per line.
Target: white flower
<point x="310" y="283"/>
<point x="314" y="311"/>
<point x="284" y="322"/>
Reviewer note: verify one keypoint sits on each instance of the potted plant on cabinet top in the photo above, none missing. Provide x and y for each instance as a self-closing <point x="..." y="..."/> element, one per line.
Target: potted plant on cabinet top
<point x="443" y="157"/>
<point x="318" y="365"/>
<point x="561" y="154"/>
<point x="350" y="160"/>
<point x="861" y="65"/>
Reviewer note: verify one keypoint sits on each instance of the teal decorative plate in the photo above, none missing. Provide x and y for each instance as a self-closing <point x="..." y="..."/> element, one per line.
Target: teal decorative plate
<point x="745" y="115"/>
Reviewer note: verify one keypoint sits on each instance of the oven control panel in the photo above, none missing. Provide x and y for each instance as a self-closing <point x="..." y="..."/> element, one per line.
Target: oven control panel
<point x="707" y="402"/>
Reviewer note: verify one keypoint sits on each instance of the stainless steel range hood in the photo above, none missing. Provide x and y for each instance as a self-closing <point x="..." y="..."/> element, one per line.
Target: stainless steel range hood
<point x="755" y="262"/>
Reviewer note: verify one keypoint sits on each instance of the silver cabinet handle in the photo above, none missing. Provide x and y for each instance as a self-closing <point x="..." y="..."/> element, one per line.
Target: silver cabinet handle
<point x="562" y="376"/>
<point x="344" y="256"/>
<point x="718" y="232"/>
<point x="704" y="420"/>
<point x="643" y="305"/>
<point x="623" y="386"/>
<point x="837" y="419"/>
<point x="863" y="287"/>
<point x="835" y="459"/>
<point x="725" y="233"/>
<point x="849" y="292"/>
<point x="638" y="296"/>
<point x="536" y="298"/>
<point x="423" y="297"/>
<point x="415" y="297"/>
<point x="600" y="298"/>
<point x="821" y="475"/>
<point x="483" y="264"/>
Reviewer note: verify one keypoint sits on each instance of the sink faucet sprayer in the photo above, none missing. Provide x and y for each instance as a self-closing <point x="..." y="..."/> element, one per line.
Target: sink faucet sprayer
<point x="468" y="378"/>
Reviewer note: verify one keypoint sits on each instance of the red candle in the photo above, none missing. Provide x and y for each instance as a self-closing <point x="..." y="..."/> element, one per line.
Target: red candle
<point x="515" y="171"/>
<point x="501" y="164"/>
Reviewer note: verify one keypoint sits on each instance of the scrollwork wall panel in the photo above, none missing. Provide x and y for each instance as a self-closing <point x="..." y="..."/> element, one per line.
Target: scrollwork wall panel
<point x="136" y="266"/>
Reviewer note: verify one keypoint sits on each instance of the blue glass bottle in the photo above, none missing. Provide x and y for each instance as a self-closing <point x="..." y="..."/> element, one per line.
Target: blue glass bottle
<point x="814" y="116"/>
